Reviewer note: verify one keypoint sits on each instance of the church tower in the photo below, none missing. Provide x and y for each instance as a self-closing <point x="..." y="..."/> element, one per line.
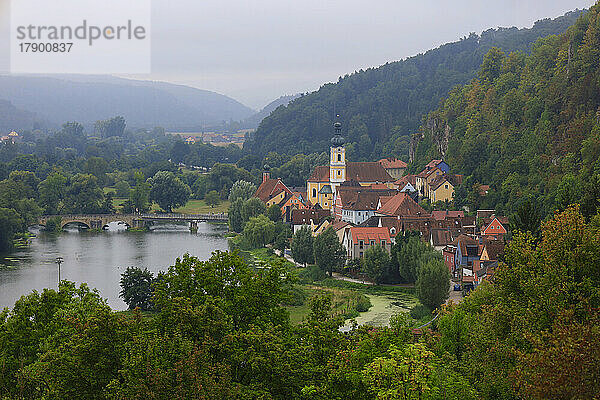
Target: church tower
<point x="337" y="161"/>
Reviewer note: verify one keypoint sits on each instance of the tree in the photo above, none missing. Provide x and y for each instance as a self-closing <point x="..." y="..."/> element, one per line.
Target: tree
<point x="527" y="218"/>
<point x="168" y="190"/>
<point x="274" y="213"/>
<point x="282" y="239"/>
<point x="329" y="253"/>
<point x="377" y="264"/>
<point x="409" y="253"/>
<point x="122" y="189"/>
<point x="212" y="198"/>
<point x="241" y="190"/>
<point x="136" y="288"/>
<point x="302" y="246"/>
<point x="259" y="231"/>
<point x="110" y="127"/>
<point x="236" y="222"/>
<point x="433" y="283"/>
<point x="84" y="195"/>
<point x="253" y="207"/>
<point x="10" y="223"/>
<point x="52" y="191"/>
<point x="139" y="196"/>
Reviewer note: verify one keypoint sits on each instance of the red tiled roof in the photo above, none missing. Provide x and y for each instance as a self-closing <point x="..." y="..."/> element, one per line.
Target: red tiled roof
<point x="339" y="225"/>
<point x="441" y="237"/>
<point x="432" y="164"/>
<point x="388" y="163"/>
<point x="367" y="233"/>
<point x="464" y="241"/>
<point x="304" y="217"/>
<point x="401" y="204"/>
<point x="442" y="215"/>
<point x="358" y="171"/>
<point x="495" y="248"/>
<point x="412" y="179"/>
<point x="265" y="190"/>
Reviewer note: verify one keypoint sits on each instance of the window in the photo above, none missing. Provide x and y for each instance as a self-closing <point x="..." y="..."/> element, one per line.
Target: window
<point x="383" y="243"/>
<point x="360" y="245"/>
<point x="372" y="243"/>
<point x="339" y="157"/>
<point x="314" y="192"/>
<point x="446" y="186"/>
<point x="339" y="172"/>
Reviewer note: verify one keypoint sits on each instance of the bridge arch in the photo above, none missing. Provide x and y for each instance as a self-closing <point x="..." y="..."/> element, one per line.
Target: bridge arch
<point x="64" y="223"/>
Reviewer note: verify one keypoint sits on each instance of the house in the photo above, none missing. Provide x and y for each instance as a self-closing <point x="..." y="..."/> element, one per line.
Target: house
<point x="494" y="227"/>
<point x="340" y="228"/>
<point x="312" y="217"/>
<point x="356" y="204"/>
<point x="467" y="251"/>
<point x="325" y="179"/>
<point x="271" y="191"/>
<point x="433" y="170"/>
<point x="440" y="238"/>
<point x="393" y="166"/>
<point x="449" y="253"/>
<point x="358" y="239"/>
<point x="400" y="205"/>
<point x="190" y="140"/>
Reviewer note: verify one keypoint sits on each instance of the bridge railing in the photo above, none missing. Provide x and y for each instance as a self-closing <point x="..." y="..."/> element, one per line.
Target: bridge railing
<point x="172" y="216"/>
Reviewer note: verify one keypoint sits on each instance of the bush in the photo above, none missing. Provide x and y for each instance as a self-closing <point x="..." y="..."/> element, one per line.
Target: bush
<point x="296" y="296"/>
<point x="420" y="311"/>
<point x="53" y="224"/>
<point x="311" y="274"/>
<point x="363" y="303"/>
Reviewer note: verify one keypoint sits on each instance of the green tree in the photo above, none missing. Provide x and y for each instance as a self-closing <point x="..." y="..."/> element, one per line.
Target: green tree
<point x="136" y="288"/>
<point x="10" y="223"/>
<point x="122" y="189"/>
<point x="253" y="207"/>
<point x="236" y="222"/>
<point x="329" y="253"/>
<point x="259" y="231"/>
<point x="168" y="190"/>
<point x="212" y="198"/>
<point x="84" y="195"/>
<point x="302" y="246"/>
<point x="242" y="190"/>
<point x="527" y="218"/>
<point x="139" y="196"/>
<point x="433" y="284"/>
<point x="492" y="64"/>
<point x="110" y="127"/>
<point x="274" y="213"/>
<point x="377" y="264"/>
<point x="52" y="192"/>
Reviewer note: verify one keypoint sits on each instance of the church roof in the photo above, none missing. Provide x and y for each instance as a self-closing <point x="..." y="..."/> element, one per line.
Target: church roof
<point x="320" y="174"/>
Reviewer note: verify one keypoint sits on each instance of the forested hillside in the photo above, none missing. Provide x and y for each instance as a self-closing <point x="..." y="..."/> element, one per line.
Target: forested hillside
<point x="527" y="125"/>
<point x="381" y="107"/>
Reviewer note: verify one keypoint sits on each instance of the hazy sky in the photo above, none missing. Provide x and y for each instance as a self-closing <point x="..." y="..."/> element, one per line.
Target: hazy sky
<point x="256" y="51"/>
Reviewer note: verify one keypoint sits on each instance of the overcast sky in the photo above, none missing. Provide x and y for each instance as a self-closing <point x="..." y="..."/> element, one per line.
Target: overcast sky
<point x="256" y="51"/>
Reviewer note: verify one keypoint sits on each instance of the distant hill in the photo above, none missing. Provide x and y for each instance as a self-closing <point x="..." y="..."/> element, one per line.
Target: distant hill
<point x="380" y="107"/>
<point x="141" y="103"/>
<point x="254" y="120"/>
<point x="13" y="118"/>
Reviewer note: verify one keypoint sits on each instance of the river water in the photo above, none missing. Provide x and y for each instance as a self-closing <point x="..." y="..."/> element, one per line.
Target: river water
<point x="99" y="258"/>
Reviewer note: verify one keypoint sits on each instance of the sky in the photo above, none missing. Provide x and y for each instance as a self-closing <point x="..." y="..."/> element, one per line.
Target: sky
<point x="256" y="51"/>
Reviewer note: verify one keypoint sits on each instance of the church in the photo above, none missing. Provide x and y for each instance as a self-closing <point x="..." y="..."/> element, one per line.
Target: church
<point x="321" y="187"/>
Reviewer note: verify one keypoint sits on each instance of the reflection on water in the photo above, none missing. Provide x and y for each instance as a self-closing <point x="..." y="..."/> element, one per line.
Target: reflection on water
<point x="99" y="258"/>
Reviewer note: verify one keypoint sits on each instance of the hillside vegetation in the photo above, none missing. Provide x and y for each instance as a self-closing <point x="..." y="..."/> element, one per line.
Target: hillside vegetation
<point x="528" y="125"/>
<point x="380" y="107"/>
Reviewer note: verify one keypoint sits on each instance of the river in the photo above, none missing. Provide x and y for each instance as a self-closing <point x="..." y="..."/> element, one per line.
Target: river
<point x="99" y="258"/>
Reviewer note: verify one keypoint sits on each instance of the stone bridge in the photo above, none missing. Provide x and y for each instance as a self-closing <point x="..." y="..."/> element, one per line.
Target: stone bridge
<point x="101" y="221"/>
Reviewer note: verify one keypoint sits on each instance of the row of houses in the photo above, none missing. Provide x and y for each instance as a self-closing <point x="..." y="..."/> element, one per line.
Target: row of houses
<point x="371" y="203"/>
